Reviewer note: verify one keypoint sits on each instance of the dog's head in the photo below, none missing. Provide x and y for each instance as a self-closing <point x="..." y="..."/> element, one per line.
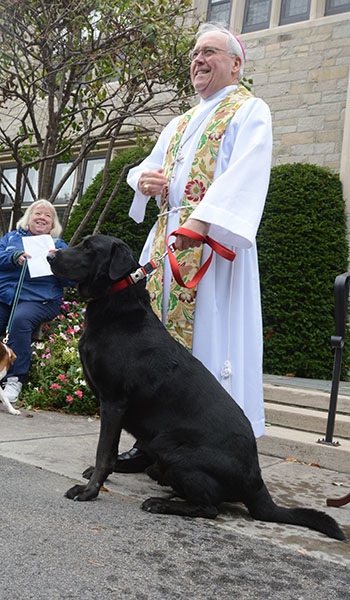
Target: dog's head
<point x="95" y="264"/>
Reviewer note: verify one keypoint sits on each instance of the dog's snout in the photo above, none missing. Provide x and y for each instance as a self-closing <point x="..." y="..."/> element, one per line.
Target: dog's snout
<point x="51" y="256"/>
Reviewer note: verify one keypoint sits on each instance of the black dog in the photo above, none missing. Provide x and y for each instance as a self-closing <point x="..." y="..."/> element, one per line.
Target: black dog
<point x="202" y="444"/>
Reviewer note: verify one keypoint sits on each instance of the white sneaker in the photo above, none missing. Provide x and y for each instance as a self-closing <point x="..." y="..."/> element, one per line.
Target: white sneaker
<point x="13" y="388"/>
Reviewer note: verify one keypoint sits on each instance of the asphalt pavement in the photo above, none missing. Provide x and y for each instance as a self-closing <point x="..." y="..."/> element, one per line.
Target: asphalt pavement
<point x="54" y="548"/>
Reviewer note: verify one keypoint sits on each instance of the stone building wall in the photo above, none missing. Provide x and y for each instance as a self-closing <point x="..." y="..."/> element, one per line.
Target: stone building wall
<point x="302" y="72"/>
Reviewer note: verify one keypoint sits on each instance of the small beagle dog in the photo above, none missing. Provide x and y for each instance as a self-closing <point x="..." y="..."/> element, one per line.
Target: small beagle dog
<point x="7" y="358"/>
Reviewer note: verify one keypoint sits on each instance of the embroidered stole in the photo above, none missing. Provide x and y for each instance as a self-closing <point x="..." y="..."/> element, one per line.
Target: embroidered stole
<point x="181" y="305"/>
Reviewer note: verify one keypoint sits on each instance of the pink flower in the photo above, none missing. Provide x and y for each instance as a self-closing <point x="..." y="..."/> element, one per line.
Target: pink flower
<point x="55" y="386"/>
<point x="79" y="393"/>
<point x="69" y="399"/>
<point x="62" y="377"/>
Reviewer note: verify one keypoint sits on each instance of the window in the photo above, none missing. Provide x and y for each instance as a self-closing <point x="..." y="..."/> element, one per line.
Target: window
<point x="337" y="6"/>
<point x="66" y="190"/>
<point x="8" y="184"/>
<point x="219" y="11"/>
<point x="294" y="10"/>
<point x="256" y="15"/>
<point x="8" y="177"/>
<point x="33" y="176"/>
<point x="92" y="167"/>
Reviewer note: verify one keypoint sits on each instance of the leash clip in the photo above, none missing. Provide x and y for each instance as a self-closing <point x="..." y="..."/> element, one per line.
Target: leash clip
<point x="170" y="247"/>
<point x="158" y="259"/>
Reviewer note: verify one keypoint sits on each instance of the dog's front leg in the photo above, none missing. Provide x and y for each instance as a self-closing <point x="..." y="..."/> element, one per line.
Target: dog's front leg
<point x="7" y="404"/>
<point x="110" y="429"/>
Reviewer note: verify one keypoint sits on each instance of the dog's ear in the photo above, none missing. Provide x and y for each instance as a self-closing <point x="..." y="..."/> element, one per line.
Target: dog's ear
<point x="2" y="351"/>
<point x="122" y="261"/>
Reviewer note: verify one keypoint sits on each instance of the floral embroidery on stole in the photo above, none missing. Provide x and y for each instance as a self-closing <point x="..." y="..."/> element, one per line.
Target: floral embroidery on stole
<point x="181" y="306"/>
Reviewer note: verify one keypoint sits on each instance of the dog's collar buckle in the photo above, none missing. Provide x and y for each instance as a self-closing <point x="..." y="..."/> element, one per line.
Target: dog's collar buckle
<point x="142" y="272"/>
<point x="134" y="277"/>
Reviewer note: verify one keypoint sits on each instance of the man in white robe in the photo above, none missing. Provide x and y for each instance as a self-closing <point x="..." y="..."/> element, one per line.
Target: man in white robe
<point x="227" y="333"/>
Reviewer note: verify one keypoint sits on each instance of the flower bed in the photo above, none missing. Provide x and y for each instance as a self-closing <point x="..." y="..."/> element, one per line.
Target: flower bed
<point x="56" y="380"/>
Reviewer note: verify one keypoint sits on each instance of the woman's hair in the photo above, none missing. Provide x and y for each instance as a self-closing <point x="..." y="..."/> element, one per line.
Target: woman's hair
<point x="234" y="44"/>
<point x="24" y="221"/>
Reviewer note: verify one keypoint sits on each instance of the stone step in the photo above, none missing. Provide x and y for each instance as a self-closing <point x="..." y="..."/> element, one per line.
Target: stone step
<point x="304" y="397"/>
<point x="306" y="419"/>
<point x="296" y="416"/>
<point x="303" y="446"/>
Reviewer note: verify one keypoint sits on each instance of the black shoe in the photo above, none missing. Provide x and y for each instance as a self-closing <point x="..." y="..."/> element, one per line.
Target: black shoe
<point x="133" y="461"/>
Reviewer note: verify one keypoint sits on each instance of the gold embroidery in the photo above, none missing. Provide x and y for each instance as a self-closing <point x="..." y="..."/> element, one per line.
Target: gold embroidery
<point x="181" y="305"/>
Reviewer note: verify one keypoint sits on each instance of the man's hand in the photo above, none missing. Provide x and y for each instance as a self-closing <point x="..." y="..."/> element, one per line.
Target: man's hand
<point x="151" y="183"/>
<point x="183" y="242"/>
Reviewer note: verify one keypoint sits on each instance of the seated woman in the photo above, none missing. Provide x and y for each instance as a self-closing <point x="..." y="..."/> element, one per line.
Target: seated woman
<point x="40" y="297"/>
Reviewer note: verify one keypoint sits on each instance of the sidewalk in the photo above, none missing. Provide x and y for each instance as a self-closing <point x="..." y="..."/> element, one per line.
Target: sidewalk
<point x="66" y="445"/>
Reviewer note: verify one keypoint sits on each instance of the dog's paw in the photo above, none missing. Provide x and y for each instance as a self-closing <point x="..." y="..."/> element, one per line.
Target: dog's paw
<point x="155" y="505"/>
<point x="82" y="493"/>
<point x="88" y="472"/>
<point x="14" y="411"/>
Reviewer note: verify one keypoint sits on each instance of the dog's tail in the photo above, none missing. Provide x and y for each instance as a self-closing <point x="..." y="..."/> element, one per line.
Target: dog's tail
<point x="263" y="508"/>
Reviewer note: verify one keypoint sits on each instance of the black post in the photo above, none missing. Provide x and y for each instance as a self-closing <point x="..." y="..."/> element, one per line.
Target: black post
<point x="341" y="298"/>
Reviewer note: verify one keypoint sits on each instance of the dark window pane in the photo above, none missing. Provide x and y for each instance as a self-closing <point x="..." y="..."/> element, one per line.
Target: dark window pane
<point x="8" y="184"/>
<point x="219" y="11"/>
<point x="294" y="10"/>
<point x="337" y="6"/>
<point x="256" y="15"/>
<point x="32" y="175"/>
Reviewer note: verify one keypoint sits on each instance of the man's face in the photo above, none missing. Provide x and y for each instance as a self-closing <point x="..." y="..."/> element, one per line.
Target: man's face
<point x="214" y="69"/>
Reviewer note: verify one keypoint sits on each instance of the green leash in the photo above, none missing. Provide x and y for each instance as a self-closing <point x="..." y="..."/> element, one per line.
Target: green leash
<point x="15" y="301"/>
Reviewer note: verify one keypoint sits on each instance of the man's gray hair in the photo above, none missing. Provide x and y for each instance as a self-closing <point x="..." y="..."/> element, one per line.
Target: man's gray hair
<point x="234" y="44"/>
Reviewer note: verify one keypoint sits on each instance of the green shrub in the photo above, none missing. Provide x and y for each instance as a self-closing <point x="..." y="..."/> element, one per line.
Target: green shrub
<point x="117" y="222"/>
<point x="302" y="247"/>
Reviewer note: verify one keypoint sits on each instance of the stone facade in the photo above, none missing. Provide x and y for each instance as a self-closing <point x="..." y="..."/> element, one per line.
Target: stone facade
<point x="302" y="71"/>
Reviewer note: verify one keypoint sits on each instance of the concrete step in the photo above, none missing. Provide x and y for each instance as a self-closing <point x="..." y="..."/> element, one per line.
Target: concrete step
<point x="304" y="397"/>
<point x="305" y="419"/>
<point x="296" y="417"/>
<point x="304" y="446"/>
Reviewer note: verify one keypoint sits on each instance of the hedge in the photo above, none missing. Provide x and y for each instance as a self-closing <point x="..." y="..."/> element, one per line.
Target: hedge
<point x="302" y="247"/>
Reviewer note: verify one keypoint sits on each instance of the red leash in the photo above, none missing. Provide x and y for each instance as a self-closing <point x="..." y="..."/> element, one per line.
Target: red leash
<point x="215" y="247"/>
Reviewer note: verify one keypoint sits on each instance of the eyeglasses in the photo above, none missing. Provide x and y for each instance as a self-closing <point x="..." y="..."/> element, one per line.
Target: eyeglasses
<point x="206" y="52"/>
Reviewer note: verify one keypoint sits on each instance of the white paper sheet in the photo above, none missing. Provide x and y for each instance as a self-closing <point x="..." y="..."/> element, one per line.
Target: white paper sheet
<point x="38" y="247"/>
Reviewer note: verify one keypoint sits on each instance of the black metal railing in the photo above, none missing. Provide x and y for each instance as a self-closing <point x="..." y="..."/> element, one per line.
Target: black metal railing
<point x="341" y="299"/>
